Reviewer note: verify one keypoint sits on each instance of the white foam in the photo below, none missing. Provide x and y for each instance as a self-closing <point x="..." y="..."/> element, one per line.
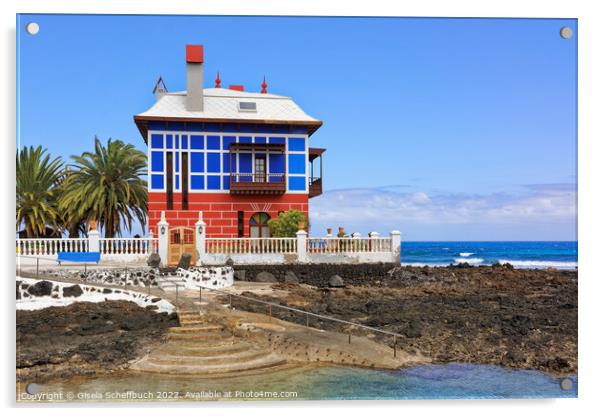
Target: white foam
<point x="540" y="264"/>
<point x="474" y="260"/>
<point x="466" y="254"/>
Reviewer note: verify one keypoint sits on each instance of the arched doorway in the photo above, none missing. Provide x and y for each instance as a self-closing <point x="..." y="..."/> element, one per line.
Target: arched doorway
<point x="181" y="240"/>
<point x="258" y="225"/>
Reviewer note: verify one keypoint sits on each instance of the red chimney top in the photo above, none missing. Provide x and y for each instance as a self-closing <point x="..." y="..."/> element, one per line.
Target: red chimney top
<point x="218" y="82"/>
<point x="194" y="54"/>
<point x="264" y="86"/>
<point x="237" y="87"/>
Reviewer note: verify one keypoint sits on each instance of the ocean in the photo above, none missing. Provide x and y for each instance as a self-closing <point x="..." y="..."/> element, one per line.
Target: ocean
<point x="520" y="254"/>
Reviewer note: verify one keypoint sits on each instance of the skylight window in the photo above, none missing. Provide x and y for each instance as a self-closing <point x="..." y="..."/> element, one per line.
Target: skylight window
<point x="247" y="106"/>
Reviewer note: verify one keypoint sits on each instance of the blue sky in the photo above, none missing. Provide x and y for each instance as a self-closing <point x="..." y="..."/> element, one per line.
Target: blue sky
<point x="447" y="129"/>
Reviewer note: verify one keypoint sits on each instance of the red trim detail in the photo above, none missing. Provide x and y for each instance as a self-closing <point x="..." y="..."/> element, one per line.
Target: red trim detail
<point x="264" y="86"/>
<point x="237" y="87"/>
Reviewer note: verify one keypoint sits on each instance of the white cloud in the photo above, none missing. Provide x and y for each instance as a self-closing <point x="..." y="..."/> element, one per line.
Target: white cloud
<point x="538" y="206"/>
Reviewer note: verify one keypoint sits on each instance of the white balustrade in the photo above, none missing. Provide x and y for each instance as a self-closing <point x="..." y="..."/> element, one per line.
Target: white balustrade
<point x="250" y="245"/>
<point x="334" y="245"/>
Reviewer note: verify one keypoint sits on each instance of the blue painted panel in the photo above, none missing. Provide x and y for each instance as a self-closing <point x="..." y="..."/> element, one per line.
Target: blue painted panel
<point x="213" y="142"/>
<point x="212" y="127"/>
<point x="177" y="162"/>
<point x="276" y="163"/>
<point x="229" y="128"/>
<point x="213" y="164"/>
<point x="213" y="182"/>
<point x="176" y="140"/>
<point x="244" y="139"/>
<point x="259" y="139"/>
<point x="296" y="163"/>
<point x="277" y="140"/>
<point x="226" y="182"/>
<point x="298" y="130"/>
<point x="157" y="125"/>
<point x="196" y="142"/>
<point x="245" y="163"/>
<point x="168" y="141"/>
<point x="175" y="125"/>
<point x="296" y="144"/>
<point x="197" y="182"/>
<point x="264" y="129"/>
<point x="157" y="141"/>
<point x="197" y="162"/>
<point x="177" y="182"/>
<point x="184" y="142"/>
<point x="281" y="129"/>
<point x="296" y="183"/>
<point x="157" y="161"/>
<point x="226" y="140"/>
<point x="156" y="181"/>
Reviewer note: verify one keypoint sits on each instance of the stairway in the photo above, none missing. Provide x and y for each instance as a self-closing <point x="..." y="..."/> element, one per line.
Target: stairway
<point x="169" y="282"/>
<point x="201" y="348"/>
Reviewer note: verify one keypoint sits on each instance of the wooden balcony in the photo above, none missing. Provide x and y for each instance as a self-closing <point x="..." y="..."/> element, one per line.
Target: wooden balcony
<point x="315" y="187"/>
<point x="257" y="184"/>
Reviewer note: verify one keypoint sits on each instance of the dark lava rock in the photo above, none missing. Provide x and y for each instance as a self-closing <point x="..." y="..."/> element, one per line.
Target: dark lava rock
<point x="413" y="330"/>
<point x="240" y="275"/>
<point x="61" y="342"/>
<point x="290" y="277"/>
<point x="336" y="281"/>
<point x="185" y="260"/>
<point x="265" y="277"/>
<point x="43" y="288"/>
<point x="229" y="262"/>
<point x="72" y="291"/>
<point x="154" y="260"/>
<point x="107" y="290"/>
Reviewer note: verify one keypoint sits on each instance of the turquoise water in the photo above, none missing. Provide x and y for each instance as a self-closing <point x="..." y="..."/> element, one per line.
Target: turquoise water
<point x="450" y="381"/>
<point x="521" y="254"/>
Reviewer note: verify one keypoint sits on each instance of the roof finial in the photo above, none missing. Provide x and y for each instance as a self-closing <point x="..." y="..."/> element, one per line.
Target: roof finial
<point x="218" y="82"/>
<point x="264" y="86"/>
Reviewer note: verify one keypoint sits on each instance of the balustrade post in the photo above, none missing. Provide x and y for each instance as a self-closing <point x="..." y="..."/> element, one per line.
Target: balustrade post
<point x="163" y="227"/>
<point x="395" y="246"/>
<point x="302" y="246"/>
<point x="201" y="238"/>
<point x="94" y="241"/>
<point x="374" y="241"/>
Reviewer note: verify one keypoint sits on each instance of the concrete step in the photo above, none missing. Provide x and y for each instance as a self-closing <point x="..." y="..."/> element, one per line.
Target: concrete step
<point x="203" y="350"/>
<point x="268" y="361"/>
<point x="196" y="360"/>
<point x="199" y="336"/>
<point x="202" y="328"/>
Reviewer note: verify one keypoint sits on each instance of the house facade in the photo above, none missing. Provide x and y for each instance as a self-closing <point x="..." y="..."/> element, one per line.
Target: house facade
<point x="239" y="157"/>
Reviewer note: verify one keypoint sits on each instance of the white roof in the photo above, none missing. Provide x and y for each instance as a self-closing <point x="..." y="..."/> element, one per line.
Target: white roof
<point x="222" y="103"/>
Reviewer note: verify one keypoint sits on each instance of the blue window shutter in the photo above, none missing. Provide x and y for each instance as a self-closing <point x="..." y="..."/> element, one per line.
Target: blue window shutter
<point x="213" y="162"/>
<point x="296" y="164"/>
<point x="196" y="142"/>
<point x="197" y="162"/>
<point x="213" y="182"/>
<point x="157" y="182"/>
<point x="197" y="182"/>
<point x="157" y="141"/>
<point x="296" y="183"/>
<point x="296" y="144"/>
<point x="157" y="161"/>
<point x="213" y="142"/>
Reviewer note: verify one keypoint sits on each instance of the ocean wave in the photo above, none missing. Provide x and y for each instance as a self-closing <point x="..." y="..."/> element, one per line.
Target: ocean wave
<point x="466" y="254"/>
<point x="540" y="264"/>
<point x="474" y="260"/>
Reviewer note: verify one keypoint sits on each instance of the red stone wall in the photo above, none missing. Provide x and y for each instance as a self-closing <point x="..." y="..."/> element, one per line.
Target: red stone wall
<point x="220" y="210"/>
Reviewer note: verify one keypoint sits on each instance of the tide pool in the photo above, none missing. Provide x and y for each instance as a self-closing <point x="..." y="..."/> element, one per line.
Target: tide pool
<point x="449" y="381"/>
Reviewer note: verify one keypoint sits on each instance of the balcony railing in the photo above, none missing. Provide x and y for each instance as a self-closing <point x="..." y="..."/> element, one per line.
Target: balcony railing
<point x="257" y="183"/>
<point x="315" y="187"/>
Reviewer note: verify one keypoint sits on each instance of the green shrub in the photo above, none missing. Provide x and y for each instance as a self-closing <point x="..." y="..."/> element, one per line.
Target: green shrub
<point x="287" y="223"/>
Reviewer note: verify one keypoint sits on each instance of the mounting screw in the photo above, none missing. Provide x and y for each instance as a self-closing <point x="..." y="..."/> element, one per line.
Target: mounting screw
<point x="566" y="32"/>
<point x="32" y="28"/>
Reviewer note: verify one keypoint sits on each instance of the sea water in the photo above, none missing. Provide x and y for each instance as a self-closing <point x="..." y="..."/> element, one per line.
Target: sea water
<point x="447" y="381"/>
<point x="520" y="254"/>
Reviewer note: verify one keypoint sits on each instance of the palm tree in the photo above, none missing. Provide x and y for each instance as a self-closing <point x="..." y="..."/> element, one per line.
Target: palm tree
<point x="38" y="191"/>
<point x="106" y="186"/>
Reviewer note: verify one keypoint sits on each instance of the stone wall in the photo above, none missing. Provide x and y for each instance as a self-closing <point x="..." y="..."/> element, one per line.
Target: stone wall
<point x="316" y="274"/>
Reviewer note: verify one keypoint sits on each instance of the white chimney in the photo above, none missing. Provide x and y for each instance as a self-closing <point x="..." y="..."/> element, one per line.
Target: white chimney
<point x="194" y="77"/>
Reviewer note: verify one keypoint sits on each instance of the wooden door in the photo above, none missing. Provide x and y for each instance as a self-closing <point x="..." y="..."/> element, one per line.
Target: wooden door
<point x="181" y="240"/>
<point x="260" y="171"/>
